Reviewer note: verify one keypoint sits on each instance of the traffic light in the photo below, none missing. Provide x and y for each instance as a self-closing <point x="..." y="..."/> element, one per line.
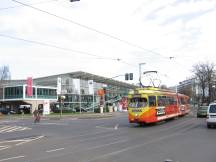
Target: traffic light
<point x="126" y="76"/>
<point x="129" y="76"/>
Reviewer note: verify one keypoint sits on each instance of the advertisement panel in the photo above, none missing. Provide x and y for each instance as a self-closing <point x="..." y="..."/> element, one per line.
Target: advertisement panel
<point x="46" y="107"/>
<point x="58" y="86"/>
<point x="29" y="90"/>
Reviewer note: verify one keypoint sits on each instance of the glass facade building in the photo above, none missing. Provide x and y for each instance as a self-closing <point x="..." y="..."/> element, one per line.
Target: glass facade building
<point x="80" y="91"/>
<point x="80" y="97"/>
<point x="16" y="93"/>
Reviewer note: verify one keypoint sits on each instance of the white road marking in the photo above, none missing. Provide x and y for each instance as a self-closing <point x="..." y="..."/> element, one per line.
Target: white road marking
<point x="11" y="158"/>
<point x="14" y="129"/>
<point x="29" y="140"/>
<point x="116" y="126"/>
<point x="103" y="127"/>
<point x="48" y="151"/>
<point x="168" y="160"/>
<point x="5" y="128"/>
<point x="4" y="147"/>
<point x="107" y="144"/>
<point x="106" y="127"/>
<point x="8" y="129"/>
<point x="9" y="143"/>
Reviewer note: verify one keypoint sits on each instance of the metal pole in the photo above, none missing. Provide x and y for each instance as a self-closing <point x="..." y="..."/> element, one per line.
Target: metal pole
<point x="104" y="102"/>
<point x="140" y="73"/>
<point x="60" y="108"/>
<point x="80" y="102"/>
<point x="93" y="95"/>
<point x="61" y="104"/>
<point x="93" y="101"/>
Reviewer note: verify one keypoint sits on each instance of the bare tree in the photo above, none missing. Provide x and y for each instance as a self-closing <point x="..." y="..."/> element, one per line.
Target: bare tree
<point x="210" y="79"/>
<point x="5" y="73"/>
<point x="187" y="90"/>
<point x="204" y="72"/>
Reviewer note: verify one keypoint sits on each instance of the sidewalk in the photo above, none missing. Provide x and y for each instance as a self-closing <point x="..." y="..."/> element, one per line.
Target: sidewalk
<point x="58" y="117"/>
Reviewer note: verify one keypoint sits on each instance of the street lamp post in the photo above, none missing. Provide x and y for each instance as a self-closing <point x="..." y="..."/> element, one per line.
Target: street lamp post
<point x="140" y="73"/>
<point x="104" y="86"/>
<point x="62" y="98"/>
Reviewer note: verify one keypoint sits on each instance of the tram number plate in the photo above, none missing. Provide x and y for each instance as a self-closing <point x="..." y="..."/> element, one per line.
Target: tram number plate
<point x="160" y="110"/>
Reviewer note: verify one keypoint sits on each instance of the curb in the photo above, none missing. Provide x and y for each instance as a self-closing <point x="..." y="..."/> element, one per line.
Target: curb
<point x="57" y="117"/>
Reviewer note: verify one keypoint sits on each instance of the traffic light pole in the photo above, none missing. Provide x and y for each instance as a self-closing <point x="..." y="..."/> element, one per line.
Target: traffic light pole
<point x="116" y="76"/>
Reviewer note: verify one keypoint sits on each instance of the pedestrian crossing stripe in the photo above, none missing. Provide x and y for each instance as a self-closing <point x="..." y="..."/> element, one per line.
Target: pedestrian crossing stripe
<point x="4" y="147"/>
<point x="6" y="144"/>
<point x="8" y="129"/>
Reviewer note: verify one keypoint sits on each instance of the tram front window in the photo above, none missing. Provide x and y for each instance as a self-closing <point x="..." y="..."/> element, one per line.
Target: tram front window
<point x="137" y="102"/>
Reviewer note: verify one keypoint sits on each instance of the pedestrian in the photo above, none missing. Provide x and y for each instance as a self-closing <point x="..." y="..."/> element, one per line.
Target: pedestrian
<point x="36" y="114"/>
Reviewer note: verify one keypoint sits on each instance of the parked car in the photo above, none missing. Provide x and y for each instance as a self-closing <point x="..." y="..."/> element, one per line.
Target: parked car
<point x="25" y="110"/>
<point x="5" y="111"/>
<point x="211" y="115"/>
<point x="202" y="111"/>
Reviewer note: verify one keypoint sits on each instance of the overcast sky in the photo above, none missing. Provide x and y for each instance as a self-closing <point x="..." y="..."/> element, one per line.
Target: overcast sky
<point x="107" y="37"/>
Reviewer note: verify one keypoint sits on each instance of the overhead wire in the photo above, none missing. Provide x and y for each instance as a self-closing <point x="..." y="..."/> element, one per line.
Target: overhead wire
<point x="36" y="3"/>
<point x="57" y="47"/>
<point x="92" y="29"/>
<point x="65" y="49"/>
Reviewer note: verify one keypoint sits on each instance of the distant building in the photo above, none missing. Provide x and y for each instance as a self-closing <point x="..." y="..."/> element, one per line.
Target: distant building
<point x="191" y="88"/>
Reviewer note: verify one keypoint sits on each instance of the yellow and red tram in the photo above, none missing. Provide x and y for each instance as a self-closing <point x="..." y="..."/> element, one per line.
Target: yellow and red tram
<point x="151" y="105"/>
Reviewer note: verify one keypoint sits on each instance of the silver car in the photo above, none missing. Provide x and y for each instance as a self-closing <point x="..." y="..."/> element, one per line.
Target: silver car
<point x="211" y="115"/>
<point x="202" y="111"/>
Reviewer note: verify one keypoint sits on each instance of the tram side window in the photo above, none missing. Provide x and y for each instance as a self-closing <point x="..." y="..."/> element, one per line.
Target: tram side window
<point x="172" y="100"/>
<point x="183" y="100"/>
<point x="152" y="100"/>
<point x="175" y="101"/>
<point x="186" y="100"/>
<point x="162" y="101"/>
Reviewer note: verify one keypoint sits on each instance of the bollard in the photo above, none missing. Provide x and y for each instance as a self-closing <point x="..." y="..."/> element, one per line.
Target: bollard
<point x="101" y="109"/>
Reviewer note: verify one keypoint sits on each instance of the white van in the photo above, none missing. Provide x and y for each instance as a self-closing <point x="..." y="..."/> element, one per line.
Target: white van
<point x="211" y="115"/>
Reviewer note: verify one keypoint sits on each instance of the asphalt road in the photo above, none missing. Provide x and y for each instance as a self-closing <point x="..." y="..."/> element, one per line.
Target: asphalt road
<point x="113" y="139"/>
